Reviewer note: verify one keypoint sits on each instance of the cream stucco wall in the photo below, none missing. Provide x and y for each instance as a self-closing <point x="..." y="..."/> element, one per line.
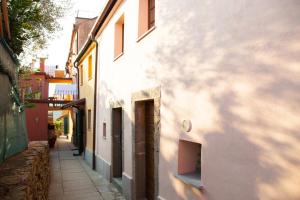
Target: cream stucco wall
<point x="87" y="92"/>
<point x="232" y="68"/>
<point x="71" y="123"/>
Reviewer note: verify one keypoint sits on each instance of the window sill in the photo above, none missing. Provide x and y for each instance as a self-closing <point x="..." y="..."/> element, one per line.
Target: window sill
<point x="192" y="179"/>
<point x="117" y="57"/>
<point x="145" y="34"/>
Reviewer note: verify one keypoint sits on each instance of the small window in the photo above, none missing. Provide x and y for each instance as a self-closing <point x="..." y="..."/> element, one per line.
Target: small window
<point x="89" y="119"/>
<point x="104" y="130"/>
<point x="146" y="16"/>
<point x="90" y="67"/>
<point x="151" y="13"/>
<point x="81" y="75"/>
<point x="119" y="37"/>
<point x="189" y="163"/>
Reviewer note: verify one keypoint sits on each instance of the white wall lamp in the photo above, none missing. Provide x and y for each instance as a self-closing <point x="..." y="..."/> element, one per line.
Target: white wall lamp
<point x="186" y="125"/>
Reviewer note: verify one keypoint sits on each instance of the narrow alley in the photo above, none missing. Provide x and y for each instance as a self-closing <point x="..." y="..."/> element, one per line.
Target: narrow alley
<point x="149" y="100"/>
<point x="72" y="178"/>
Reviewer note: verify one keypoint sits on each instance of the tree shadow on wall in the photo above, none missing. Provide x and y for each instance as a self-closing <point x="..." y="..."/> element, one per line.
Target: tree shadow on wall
<point x="247" y="70"/>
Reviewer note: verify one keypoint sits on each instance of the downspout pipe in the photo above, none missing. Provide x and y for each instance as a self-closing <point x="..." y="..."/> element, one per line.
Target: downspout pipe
<point x="77" y="78"/>
<point x="78" y="95"/>
<point x="95" y="105"/>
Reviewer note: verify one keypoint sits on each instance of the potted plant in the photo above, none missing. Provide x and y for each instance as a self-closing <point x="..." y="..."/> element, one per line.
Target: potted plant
<point x="51" y="136"/>
<point x="52" y="140"/>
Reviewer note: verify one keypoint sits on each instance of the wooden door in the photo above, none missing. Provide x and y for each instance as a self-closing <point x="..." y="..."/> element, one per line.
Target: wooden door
<point x="117" y="142"/>
<point x="149" y="131"/>
<point x="144" y="148"/>
<point x="79" y="131"/>
<point x="66" y="125"/>
<point x="140" y="153"/>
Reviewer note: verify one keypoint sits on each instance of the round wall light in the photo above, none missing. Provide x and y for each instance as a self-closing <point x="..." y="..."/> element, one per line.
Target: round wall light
<point x="186" y="125"/>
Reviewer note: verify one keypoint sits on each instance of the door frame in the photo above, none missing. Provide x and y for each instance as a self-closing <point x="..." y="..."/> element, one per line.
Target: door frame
<point x="113" y="105"/>
<point x="146" y="95"/>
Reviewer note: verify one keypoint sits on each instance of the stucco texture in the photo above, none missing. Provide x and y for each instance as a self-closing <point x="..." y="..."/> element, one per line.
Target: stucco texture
<point x="232" y="68"/>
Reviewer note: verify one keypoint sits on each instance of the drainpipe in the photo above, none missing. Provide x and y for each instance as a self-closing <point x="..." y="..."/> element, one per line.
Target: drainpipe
<point x="78" y="97"/>
<point x="77" y="78"/>
<point x="95" y="105"/>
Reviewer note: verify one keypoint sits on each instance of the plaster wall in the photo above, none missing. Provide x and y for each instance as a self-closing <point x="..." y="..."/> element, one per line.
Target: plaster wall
<point x="87" y="92"/>
<point x="84" y="26"/>
<point x="71" y="123"/>
<point x="36" y="117"/>
<point x="37" y="82"/>
<point x="37" y="122"/>
<point x="232" y="68"/>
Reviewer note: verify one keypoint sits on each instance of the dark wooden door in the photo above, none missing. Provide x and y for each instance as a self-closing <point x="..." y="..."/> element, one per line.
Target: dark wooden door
<point x="149" y="131"/>
<point x="140" y="153"/>
<point x="117" y="142"/>
<point x="66" y="125"/>
<point x="144" y="147"/>
<point x="79" y="131"/>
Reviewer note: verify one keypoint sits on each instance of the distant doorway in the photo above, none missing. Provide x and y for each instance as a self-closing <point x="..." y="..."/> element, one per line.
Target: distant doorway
<point x="117" y="145"/>
<point x="80" y="141"/>
<point x="145" y="165"/>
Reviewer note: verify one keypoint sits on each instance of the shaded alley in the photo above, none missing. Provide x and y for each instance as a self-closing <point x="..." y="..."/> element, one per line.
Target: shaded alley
<point x="71" y="178"/>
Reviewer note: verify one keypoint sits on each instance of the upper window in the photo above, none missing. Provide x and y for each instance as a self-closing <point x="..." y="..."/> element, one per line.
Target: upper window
<point x="151" y="13"/>
<point x="90" y="68"/>
<point x="146" y="16"/>
<point x="119" y="37"/>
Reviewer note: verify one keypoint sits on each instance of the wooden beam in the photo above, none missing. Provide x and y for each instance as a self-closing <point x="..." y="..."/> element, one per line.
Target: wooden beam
<point x="58" y="109"/>
<point x="1" y="24"/>
<point x="6" y="19"/>
<point x="48" y="101"/>
<point x="60" y="80"/>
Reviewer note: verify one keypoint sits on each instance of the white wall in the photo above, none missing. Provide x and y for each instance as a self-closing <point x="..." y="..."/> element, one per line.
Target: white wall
<point x="232" y="68"/>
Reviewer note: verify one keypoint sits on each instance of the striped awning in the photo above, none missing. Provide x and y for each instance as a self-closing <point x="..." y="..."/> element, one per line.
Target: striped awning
<point x="65" y="89"/>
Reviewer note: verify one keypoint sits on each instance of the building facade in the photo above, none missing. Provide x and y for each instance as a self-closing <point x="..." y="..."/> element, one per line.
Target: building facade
<point x="34" y="91"/>
<point x="34" y="87"/>
<point x="81" y="29"/>
<point x="80" y="34"/>
<point x="199" y="99"/>
<point x="86" y="63"/>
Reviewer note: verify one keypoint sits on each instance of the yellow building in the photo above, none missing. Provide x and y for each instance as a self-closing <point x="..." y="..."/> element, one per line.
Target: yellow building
<point x="86" y="62"/>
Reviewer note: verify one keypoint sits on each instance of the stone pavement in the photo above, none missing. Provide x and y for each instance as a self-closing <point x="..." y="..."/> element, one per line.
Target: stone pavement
<point x="72" y="178"/>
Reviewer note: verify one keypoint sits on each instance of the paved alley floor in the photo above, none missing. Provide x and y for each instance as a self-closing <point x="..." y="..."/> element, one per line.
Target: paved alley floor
<point x="72" y="178"/>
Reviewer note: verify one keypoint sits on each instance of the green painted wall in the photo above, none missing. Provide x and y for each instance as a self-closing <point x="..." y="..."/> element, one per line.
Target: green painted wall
<point x="13" y="135"/>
